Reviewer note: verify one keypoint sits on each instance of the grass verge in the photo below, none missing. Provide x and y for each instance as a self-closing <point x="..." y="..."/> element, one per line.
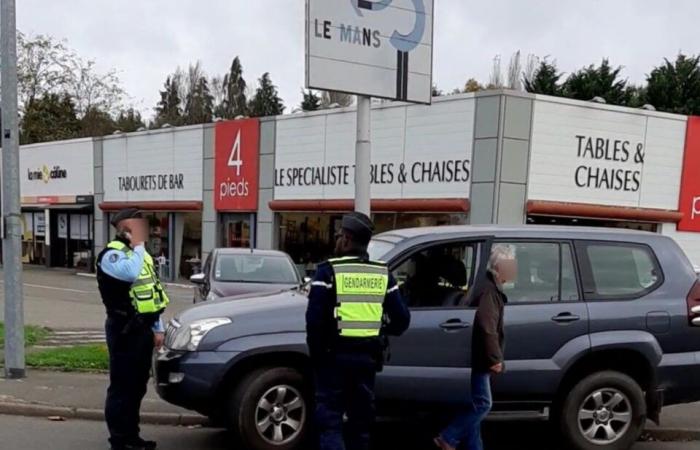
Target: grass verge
<point x="32" y="335"/>
<point x="81" y="358"/>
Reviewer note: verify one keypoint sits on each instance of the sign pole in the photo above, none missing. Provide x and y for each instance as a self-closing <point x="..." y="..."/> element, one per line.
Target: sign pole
<point x="12" y="244"/>
<point x="363" y="159"/>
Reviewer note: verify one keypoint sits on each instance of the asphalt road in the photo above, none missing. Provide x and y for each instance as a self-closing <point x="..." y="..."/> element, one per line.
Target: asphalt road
<point x="63" y="300"/>
<point x="86" y="435"/>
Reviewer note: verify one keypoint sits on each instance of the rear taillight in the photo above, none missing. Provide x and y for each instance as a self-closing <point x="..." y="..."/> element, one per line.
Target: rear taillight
<point x="694" y="304"/>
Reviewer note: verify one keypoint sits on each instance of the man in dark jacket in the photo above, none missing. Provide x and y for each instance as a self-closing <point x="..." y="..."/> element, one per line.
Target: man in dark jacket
<point x="487" y="352"/>
<point x="353" y="303"/>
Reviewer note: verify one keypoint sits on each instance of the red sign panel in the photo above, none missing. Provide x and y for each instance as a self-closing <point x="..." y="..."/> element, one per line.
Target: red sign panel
<point x="690" y="181"/>
<point x="236" y="165"/>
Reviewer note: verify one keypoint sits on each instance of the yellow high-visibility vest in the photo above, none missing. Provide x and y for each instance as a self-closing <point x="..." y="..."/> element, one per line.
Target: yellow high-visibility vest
<point x="147" y="293"/>
<point x="360" y="287"/>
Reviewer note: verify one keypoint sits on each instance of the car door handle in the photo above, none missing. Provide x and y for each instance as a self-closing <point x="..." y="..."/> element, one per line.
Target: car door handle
<point x="566" y="318"/>
<point x="454" y="324"/>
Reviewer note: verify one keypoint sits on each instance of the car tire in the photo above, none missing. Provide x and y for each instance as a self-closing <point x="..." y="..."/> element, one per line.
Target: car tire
<point x="604" y="411"/>
<point x="270" y="409"/>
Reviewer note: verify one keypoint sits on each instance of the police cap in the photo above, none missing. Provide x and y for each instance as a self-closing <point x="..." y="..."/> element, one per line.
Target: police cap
<point x="124" y="214"/>
<point x="359" y="225"/>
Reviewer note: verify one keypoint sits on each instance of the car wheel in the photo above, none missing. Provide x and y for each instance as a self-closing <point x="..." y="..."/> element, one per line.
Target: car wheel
<point x="270" y="409"/>
<point x="604" y="411"/>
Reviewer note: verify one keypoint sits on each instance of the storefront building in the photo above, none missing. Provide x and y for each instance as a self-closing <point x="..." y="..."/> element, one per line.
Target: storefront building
<point x="159" y="172"/>
<point x="57" y="187"/>
<point x="421" y="172"/>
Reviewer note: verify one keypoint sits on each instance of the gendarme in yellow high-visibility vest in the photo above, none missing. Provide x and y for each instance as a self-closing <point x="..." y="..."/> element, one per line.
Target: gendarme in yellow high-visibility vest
<point x="360" y="287"/>
<point x="147" y="293"/>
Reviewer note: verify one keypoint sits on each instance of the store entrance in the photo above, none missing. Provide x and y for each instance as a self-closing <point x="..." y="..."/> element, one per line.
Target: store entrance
<point x="586" y="222"/>
<point x="236" y="230"/>
<point x="71" y="240"/>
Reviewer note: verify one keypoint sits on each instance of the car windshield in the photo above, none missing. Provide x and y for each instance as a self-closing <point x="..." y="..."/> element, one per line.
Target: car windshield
<point x="377" y="249"/>
<point x="255" y="269"/>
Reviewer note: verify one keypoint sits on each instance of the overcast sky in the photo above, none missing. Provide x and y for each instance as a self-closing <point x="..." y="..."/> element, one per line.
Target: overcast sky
<point x="147" y="39"/>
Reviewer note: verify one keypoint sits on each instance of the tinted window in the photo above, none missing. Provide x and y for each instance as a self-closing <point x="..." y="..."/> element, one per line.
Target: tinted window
<point x="438" y="277"/>
<point x="545" y="273"/>
<point x="620" y="270"/>
<point x="377" y="249"/>
<point x="255" y="269"/>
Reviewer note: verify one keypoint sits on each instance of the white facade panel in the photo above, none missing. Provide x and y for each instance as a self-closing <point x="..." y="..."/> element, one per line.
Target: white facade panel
<point x="585" y="154"/>
<point x="688" y="241"/>
<point x="162" y="166"/>
<point x="418" y="152"/>
<point x="63" y="168"/>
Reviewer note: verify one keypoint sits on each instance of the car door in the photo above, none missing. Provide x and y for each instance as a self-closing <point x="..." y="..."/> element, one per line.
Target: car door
<point x="545" y="319"/>
<point x="430" y="362"/>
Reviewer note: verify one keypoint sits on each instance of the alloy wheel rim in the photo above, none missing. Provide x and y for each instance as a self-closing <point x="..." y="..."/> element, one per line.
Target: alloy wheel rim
<point x="605" y="416"/>
<point x="280" y="414"/>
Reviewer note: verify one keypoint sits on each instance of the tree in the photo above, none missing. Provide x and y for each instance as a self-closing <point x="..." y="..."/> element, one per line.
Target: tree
<point x="472" y="86"/>
<point x="169" y="108"/>
<point x="49" y="118"/>
<point x="331" y="98"/>
<point x="496" y="76"/>
<point x="234" y="102"/>
<point x="602" y="81"/>
<point x="514" y="69"/>
<point x="96" y="122"/>
<point x="544" y="79"/>
<point x="266" y="101"/>
<point x="199" y="105"/>
<point x="675" y="86"/>
<point x="46" y="66"/>
<point x="311" y="102"/>
<point x="129" y="121"/>
<point x="435" y="92"/>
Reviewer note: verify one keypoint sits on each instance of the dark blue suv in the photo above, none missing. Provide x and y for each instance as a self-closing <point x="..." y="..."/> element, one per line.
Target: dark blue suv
<point x="601" y="329"/>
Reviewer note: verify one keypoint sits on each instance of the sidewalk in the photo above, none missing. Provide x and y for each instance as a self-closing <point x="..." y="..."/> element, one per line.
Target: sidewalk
<point x="81" y="396"/>
<point x="72" y="395"/>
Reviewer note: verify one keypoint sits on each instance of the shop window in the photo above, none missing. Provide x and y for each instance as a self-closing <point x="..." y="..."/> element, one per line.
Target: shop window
<point x="236" y="230"/>
<point x="190" y="262"/>
<point x="545" y="273"/>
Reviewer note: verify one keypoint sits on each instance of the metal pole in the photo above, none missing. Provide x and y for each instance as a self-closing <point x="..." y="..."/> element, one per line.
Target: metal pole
<point x="363" y="152"/>
<point x="12" y="243"/>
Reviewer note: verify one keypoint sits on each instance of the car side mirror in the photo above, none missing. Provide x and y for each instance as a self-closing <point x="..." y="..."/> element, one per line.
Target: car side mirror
<point x="198" y="278"/>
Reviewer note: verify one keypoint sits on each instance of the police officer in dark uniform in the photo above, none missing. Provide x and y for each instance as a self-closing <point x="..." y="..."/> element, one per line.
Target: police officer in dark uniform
<point x="134" y="299"/>
<point x="353" y="304"/>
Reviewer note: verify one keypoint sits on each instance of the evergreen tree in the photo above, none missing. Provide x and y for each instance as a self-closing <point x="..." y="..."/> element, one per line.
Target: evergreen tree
<point x="51" y="117"/>
<point x="169" y="108"/>
<point x="234" y="103"/>
<point x="435" y="92"/>
<point x="544" y="80"/>
<point x="602" y="81"/>
<point x="129" y="121"/>
<point x="266" y="101"/>
<point x="96" y="122"/>
<point x="199" y="106"/>
<point x="675" y="86"/>
<point x="311" y="102"/>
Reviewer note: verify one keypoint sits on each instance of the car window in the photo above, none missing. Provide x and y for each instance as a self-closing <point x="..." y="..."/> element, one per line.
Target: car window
<point x="620" y="270"/>
<point x="546" y="273"/>
<point x="255" y="269"/>
<point x="437" y="277"/>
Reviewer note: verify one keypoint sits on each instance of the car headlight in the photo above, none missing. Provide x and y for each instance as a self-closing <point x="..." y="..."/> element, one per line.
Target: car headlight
<point x="211" y="296"/>
<point x="188" y="337"/>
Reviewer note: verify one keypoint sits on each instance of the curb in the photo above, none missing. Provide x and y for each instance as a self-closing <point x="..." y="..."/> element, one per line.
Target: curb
<point x="151" y="418"/>
<point x="672" y="434"/>
<point x="177" y="285"/>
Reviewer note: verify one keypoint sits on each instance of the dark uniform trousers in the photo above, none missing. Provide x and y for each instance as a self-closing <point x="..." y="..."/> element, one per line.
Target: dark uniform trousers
<point x="345" y="385"/>
<point x="130" y="352"/>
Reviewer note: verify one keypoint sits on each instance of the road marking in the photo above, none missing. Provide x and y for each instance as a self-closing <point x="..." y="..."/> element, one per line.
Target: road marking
<point x="77" y="291"/>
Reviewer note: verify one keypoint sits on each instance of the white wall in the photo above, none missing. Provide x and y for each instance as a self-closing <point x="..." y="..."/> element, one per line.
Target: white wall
<point x="555" y="157"/>
<point x="73" y="158"/>
<point x="156" y="162"/>
<point x="403" y="137"/>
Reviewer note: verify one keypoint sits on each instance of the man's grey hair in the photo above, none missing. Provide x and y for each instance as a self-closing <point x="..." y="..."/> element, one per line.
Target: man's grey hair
<point x="500" y="252"/>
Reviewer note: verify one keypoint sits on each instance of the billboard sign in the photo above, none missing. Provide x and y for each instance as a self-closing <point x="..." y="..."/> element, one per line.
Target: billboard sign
<point x="236" y="166"/>
<point x="380" y="48"/>
<point x="690" y="181"/>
